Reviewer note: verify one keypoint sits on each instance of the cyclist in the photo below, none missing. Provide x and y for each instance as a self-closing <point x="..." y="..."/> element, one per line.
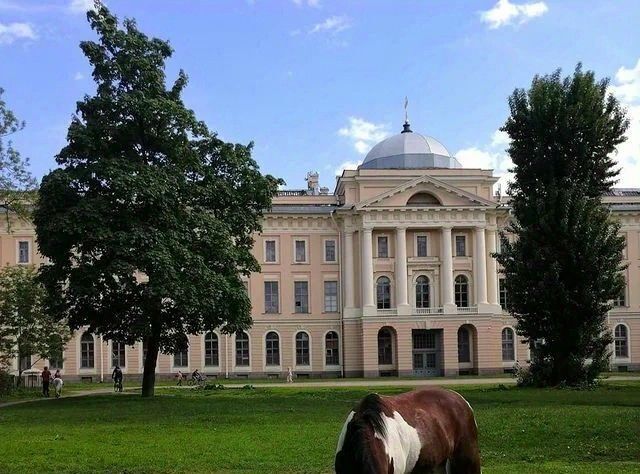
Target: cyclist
<point x="117" y="378"/>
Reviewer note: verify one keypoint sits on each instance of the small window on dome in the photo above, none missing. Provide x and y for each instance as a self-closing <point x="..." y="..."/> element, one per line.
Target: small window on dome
<point x="423" y="199"/>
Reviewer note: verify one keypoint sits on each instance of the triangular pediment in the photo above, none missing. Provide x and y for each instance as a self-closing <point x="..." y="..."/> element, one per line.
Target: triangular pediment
<point x="447" y="194"/>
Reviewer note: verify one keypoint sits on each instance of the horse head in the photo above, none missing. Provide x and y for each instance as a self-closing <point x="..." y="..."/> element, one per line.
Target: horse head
<point x="360" y="447"/>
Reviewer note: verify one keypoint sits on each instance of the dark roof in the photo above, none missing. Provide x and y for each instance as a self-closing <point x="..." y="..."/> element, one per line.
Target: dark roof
<point x="623" y="192"/>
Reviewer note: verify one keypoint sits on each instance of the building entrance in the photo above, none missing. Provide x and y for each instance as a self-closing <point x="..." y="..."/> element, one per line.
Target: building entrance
<point x="427" y="352"/>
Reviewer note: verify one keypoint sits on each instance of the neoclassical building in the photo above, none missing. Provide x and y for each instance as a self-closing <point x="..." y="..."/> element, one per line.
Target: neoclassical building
<point x="389" y="275"/>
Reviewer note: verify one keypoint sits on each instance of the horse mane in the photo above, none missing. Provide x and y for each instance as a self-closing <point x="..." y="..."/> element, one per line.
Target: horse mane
<point x="368" y="415"/>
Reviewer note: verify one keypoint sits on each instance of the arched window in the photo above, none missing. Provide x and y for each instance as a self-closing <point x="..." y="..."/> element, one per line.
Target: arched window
<point x="87" y="351"/>
<point x="181" y="356"/>
<point x="621" y="341"/>
<point x="118" y="354"/>
<point x="423" y="199"/>
<point x="273" y="348"/>
<point x="385" y="347"/>
<point x="508" y="348"/>
<point x="211" y="349"/>
<point x="332" y="351"/>
<point x="422" y="292"/>
<point x="302" y="348"/>
<point x="462" y="291"/>
<point x="242" y="349"/>
<point x="464" y="347"/>
<point x="383" y="293"/>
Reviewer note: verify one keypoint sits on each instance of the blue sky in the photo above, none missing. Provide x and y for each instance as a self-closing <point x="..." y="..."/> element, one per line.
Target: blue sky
<point x="315" y="83"/>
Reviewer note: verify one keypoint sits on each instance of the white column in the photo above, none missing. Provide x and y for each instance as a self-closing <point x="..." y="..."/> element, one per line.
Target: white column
<point x="446" y="273"/>
<point x="492" y="272"/>
<point x="367" y="270"/>
<point x="402" y="303"/>
<point x="480" y="267"/>
<point x="348" y="269"/>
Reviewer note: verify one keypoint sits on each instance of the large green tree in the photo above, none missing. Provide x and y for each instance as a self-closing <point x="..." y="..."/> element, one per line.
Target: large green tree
<point x="26" y="328"/>
<point x="17" y="184"/>
<point x="563" y="265"/>
<point x="149" y="219"/>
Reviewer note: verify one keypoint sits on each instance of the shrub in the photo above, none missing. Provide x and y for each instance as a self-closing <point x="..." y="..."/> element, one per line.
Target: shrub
<point x="7" y="383"/>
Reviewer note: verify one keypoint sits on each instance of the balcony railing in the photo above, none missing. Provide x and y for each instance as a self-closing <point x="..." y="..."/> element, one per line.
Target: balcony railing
<point x="467" y="309"/>
<point x="388" y="312"/>
<point x="434" y="310"/>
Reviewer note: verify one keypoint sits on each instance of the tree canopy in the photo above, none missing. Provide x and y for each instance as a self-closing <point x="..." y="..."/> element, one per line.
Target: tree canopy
<point x="563" y="263"/>
<point x="149" y="219"/>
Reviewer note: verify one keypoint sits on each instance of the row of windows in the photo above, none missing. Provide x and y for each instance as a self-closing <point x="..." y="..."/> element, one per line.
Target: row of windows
<point x="422" y="246"/>
<point x="300" y="251"/>
<point x="300" y="296"/>
<point x="212" y="351"/>
<point x="422" y="288"/>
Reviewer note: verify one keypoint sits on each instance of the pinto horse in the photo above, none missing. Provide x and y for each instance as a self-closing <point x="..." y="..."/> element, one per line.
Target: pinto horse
<point x="424" y="431"/>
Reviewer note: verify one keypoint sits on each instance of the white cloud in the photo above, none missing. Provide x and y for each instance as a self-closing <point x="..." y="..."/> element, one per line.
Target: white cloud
<point x="78" y="76"/>
<point x="492" y="157"/>
<point x="347" y="165"/>
<point x="627" y="89"/>
<point x="11" y="32"/>
<point x="506" y="13"/>
<point x="364" y="134"/>
<point x="81" y="6"/>
<point x="311" y="3"/>
<point x="332" y="25"/>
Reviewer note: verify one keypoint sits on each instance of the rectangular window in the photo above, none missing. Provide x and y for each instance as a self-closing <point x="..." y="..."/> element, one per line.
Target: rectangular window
<point x="118" y="355"/>
<point x="383" y="247"/>
<point x="301" y="251"/>
<point x="271" y="299"/>
<point x="461" y="245"/>
<point x="503" y="293"/>
<point x="23" y="251"/>
<point x="331" y="296"/>
<point x="270" y="251"/>
<point x="329" y="250"/>
<point x="301" y="294"/>
<point x="421" y="245"/>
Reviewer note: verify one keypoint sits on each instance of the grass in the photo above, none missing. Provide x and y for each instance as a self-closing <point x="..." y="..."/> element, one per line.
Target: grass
<point x="278" y="430"/>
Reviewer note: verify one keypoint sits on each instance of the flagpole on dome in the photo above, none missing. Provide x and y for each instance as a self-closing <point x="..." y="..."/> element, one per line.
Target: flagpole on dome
<point x="406" y="128"/>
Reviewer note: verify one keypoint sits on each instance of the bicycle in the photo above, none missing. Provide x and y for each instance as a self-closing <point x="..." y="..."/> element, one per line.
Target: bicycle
<point x="117" y="386"/>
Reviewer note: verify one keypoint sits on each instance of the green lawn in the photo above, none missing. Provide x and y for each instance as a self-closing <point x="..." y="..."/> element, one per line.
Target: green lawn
<point x="276" y="430"/>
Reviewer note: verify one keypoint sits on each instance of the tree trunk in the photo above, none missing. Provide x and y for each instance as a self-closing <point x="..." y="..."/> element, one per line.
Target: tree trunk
<point x="149" y="374"/>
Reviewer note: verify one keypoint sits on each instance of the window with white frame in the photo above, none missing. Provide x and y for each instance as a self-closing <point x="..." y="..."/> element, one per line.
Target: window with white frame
<point x="621" y="341"/>
<point x="211" y="349"/>
<point x="271" y="297"/>
<point x="302" y="348"/>
<point x="461" y="245"/>
<point x="272" y="346"/>
<point x="421" y="245"/>
<point x="502" y="284"/>
<point x="87" y="351"/>
<point x="331" y="296"/>
<point x="385" y="347"/>
<point x="422" y="292"/>
<point x="118" y="354"/>
<point x="330" y="254"/>
<point x="181" y="355"/>
<point x="508" y="345"/>
<point x="23" y="251"/>
<point x="383" y="293"/>
<point x="270" y="251"/>
<point x="621" y="300"/>
<point x="461" y="291"/>
<point x="301" y="296"/>
<point x="300" y="248"/>
<point x="242" y="349"/>
<point x="383" y="246"/>
<point x="332" y="350"/>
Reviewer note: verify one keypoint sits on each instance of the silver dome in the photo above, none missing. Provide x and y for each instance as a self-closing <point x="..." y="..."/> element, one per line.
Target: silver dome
<point x="409" y="150"/>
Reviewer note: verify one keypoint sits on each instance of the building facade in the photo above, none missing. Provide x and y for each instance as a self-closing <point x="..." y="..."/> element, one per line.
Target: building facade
<point x="389" y="275"/>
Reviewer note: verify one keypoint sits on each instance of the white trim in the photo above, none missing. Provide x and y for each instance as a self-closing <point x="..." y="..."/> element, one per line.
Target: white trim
<point x="86" y="370"/>
<point x="469" y="276"/>
<point x="303" y="368"/>
<point x="325" y="366"/>
<point x="306" y="250"/>
<point x="271" y="368"/>
<point x="324" y="250"/>
<point x="613" y="330"/>
<point x="175" y="368"/>
<point x="271" y="279"/>
<point x="392" y="288"/>
<point x="472" y="339"/>
<point x="29" y="241"/>
<point x="301" y="279"/>
<point x="275" y="239"/>
<point x="335" y="280"/>
<point x="414" y="283"/>
<point x="454" y="236"/>
<point x="377" y="247"/>
<point x="509" y="363"/>
<point x="110" y="360"/>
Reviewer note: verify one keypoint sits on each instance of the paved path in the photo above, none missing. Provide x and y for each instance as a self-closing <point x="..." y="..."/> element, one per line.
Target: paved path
<point x="390" y="382"/>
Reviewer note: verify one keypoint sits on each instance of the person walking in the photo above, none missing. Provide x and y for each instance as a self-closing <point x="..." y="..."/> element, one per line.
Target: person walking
<point x="46" y="378"/>
<point x="179" y="376"/>
<point x="289" y="375"/>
